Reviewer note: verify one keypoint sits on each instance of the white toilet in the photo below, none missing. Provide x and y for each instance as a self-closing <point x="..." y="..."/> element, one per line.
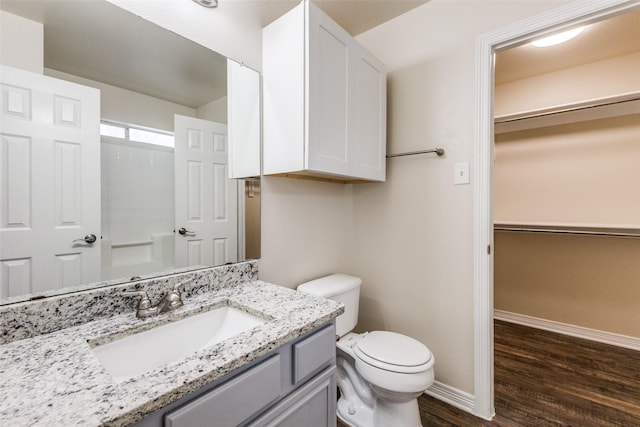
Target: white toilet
<point x="380" y="373"/>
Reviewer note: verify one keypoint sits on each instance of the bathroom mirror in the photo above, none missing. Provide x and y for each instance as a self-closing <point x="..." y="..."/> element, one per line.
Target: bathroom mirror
<point x="161" y="96"/>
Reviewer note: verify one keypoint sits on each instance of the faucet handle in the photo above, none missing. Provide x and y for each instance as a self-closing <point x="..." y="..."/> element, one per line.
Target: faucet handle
<point x="173" y="298"/>
<point x="178" y="285"/>
<point x="144" y="303"/>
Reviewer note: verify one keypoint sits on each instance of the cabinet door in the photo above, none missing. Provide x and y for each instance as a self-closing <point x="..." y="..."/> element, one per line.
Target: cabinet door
<point x="329" y="112"/>
<point x="243" y="118"/>
<point x="312" y="405"/>
<point x="283" y="73"/>
<point x="370" y="139"/>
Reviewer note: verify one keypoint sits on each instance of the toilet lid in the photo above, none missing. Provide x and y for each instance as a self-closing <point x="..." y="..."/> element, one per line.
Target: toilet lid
<point x="393" y="352"/>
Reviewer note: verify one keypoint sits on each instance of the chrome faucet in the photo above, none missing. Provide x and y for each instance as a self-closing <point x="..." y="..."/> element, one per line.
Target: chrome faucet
<point x="169" y="302"/>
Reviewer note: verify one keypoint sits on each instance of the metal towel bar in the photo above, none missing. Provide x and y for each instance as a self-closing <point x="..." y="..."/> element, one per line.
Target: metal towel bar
<point x="438" y="151"/>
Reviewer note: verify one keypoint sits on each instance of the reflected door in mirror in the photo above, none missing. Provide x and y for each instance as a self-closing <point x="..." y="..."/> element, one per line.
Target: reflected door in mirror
<point x="206" y="199"/>
<point x="50" y="183"/>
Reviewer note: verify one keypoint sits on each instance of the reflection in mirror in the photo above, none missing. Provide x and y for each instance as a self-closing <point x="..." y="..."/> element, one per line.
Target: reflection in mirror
<point x="117" y="128"/>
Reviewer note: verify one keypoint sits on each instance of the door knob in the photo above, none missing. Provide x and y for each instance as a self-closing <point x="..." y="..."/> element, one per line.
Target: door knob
<point x="89" y="238"/>
<point x="183" y="231"/>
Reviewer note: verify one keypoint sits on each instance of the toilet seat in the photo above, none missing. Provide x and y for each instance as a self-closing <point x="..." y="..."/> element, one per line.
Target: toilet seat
<point x="393" y="352"/>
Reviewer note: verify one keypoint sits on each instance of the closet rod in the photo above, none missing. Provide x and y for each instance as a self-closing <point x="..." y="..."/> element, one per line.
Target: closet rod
<point x="572" y="232"/>
<point x="438" y="151"/>
<point x="560" y="109"/>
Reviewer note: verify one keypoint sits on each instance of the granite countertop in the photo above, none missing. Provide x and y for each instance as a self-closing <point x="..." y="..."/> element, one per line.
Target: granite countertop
<point x="55" y="379"/>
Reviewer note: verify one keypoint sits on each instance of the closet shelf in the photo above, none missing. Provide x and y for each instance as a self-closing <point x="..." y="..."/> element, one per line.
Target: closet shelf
<point x="600" y="108"/>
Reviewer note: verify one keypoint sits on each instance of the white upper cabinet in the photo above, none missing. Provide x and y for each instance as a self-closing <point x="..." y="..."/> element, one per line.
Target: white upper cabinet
<point x="324" y="100"/>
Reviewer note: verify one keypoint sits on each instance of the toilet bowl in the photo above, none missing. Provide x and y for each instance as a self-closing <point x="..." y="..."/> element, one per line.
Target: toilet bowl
<point x="380" y="373"/>
<point x="396" y="369"/>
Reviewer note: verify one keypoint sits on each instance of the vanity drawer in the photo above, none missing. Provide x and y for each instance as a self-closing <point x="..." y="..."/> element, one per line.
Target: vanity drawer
<point x="313" y="353"/>
<point x="232" y="402"/>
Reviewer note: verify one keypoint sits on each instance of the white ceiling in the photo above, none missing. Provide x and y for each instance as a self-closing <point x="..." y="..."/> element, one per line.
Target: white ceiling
<point x="355" y="16"/>
<point x="601" y="40"/>
<point x="358" y="16"/>
<point x="99" y="41"/>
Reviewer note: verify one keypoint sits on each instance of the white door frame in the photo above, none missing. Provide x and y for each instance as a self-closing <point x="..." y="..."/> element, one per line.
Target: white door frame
<point x="511" y="35"/>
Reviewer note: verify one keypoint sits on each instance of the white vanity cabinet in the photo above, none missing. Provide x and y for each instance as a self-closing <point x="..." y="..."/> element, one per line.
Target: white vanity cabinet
<point x="293" y="385"/>
<point x="324" y="100"/>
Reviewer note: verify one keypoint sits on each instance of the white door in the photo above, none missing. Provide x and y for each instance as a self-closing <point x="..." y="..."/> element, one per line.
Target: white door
<point x="49" y="183"/>
<point x="206" y="199"/>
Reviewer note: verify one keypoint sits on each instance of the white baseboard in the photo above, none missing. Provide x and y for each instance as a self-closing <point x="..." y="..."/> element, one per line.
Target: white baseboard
<point x="452" y="396"/>
<point x="572" y="330"/>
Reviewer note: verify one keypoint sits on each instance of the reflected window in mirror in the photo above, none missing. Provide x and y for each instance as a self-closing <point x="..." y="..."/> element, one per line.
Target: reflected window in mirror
<point x="137" y="133"/>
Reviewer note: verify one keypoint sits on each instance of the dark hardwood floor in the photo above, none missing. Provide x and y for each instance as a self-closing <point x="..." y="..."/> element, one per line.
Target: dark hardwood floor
<point x="548" y="379"/>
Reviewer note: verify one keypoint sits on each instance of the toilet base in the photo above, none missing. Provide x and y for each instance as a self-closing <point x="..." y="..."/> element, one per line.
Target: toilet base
<point x="362" y="404"/>
<point x="354" y="414"/>
<point x="405" y="414"/>
<point x="383" y="414"/>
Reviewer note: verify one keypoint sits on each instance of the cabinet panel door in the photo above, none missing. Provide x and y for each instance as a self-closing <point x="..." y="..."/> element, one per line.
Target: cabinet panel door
<point x="330" y="112"/>
<point x="283" y="77"/>
<point x="370" y="93"/>
<point x="313" y="405"/>
<point x="313" y="353"/>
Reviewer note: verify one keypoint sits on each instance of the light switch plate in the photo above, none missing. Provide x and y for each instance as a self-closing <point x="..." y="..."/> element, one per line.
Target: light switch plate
<point x="461" y="173"/>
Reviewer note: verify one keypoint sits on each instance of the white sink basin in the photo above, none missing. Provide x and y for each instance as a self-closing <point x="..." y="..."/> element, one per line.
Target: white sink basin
<point x="144" y="351"/>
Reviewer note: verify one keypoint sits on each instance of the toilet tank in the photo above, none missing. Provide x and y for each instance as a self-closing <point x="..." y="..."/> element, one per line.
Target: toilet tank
<point x="342" y="288"/>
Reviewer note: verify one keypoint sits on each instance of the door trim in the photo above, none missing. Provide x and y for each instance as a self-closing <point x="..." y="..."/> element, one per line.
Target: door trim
<point x="486" y="44"/>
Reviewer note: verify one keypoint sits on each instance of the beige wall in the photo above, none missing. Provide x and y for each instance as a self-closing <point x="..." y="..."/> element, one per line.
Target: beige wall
<point x="586" y="281"/>
<point x="584" y="173"/>
<point x="252" y="221"/>
<point x="414" y="234"/>
<point x="21" y="43"/>
<point x="571" y="85"/>
<point x="307" y="230"/>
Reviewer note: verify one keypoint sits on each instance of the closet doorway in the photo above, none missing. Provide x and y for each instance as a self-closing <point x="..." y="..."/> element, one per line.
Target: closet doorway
<point x="487" y="45"/>
<point x="566" y="179"/>
<point x="565" y="185"/>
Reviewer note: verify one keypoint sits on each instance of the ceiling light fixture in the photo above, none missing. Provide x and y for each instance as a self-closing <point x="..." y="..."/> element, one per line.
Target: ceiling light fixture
<point x="557" y="38"/>
<point x="207" y="3"/>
